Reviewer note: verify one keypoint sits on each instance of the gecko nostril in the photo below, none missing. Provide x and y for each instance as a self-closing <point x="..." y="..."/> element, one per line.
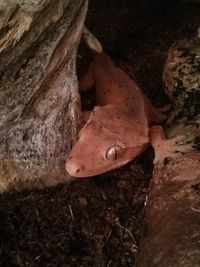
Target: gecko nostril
<point x="74" y="168"/>
<point x="78" y="170"/>
<point x="81" y="168"/>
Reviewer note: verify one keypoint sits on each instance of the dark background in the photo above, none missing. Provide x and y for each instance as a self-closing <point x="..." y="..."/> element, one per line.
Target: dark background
<point x="98" y="221"/>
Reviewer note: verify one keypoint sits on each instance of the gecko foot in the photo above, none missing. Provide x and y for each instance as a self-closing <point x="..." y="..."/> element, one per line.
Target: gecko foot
<point x="167" y="148"/>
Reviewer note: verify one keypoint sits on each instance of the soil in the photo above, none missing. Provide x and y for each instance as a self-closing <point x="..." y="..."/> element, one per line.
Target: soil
<point x="98" y="221"/>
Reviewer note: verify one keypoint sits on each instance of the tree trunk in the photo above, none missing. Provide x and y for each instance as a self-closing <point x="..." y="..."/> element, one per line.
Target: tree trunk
<point x="172" y="217"/>
<point x="40" y="106"/>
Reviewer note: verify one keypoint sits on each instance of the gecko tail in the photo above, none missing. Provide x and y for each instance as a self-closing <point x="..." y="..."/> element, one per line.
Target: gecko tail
<point x="91" y="41"/>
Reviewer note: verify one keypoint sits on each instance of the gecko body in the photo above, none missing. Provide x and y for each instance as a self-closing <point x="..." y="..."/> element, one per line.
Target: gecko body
<point x="117" y="130"/>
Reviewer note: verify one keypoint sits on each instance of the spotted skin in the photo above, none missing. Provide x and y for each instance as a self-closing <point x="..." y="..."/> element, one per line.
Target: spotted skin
<point x="118" y="128"/>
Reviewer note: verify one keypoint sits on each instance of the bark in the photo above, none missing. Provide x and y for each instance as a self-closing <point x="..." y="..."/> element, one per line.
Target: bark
<point x="172" y="213"/>
<point x="40" y="106"/>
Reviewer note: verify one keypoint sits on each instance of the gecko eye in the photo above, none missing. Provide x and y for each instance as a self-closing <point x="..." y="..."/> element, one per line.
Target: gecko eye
<point x="114" y="152"/>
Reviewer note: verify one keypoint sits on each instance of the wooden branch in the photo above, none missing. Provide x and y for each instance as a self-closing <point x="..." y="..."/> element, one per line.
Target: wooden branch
<point x="39" y="98"/>
<point x="172" y="215"/>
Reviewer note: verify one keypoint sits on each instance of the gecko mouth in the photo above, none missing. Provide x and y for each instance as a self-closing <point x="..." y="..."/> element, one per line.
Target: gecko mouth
<point x="78" y="170"/>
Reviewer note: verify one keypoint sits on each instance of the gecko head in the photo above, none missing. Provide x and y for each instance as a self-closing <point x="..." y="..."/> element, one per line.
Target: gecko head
<point x="104" y="146"/>
<point x="98" y="153"/>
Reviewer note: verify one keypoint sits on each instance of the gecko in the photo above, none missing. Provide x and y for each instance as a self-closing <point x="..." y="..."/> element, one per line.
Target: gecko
<point x="118" y="128"/>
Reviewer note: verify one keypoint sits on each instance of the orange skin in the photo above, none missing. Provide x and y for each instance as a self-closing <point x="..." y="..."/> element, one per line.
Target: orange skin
<point x="118" y="128"/>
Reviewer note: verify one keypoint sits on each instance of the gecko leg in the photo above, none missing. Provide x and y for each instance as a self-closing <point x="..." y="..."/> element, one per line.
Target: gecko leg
<point x="85" y="116"/>
<point x="87" y="80"/>
<point x="86" y="83"/>
<point x="155" y="115"/>
<point x="167" y="148"/>
<point x="165" y="108"/>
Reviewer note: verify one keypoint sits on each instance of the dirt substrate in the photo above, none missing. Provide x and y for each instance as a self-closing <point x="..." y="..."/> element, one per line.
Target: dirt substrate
<point x="98" y="221"/>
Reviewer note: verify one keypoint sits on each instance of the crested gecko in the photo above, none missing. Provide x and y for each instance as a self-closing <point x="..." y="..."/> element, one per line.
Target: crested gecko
<point x="117" y="130"/>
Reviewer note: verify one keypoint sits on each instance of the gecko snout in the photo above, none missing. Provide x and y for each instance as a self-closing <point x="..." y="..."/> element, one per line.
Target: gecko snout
<point x="74" y="168"/>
